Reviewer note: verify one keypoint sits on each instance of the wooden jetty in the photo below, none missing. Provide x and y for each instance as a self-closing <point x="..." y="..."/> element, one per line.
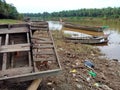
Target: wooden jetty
<point x="27" y="52"/>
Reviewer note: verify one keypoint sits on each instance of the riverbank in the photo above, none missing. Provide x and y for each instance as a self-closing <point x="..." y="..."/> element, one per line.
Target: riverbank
<point x="75" y="75"/>
<point x="9" y="21"/>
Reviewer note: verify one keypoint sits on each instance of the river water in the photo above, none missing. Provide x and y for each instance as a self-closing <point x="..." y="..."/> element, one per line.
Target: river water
<point x="111" y="49"/>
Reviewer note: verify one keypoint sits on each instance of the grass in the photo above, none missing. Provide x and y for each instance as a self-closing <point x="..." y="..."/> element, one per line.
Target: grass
<point x="9" y="21"/>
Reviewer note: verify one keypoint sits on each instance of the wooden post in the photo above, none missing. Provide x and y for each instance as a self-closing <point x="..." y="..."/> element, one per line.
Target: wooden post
<point x="12" y="58"/>
<point x="29" y="56"/>
<point x="35" y="84"/>
<point x="5" y="54"/>
<point x="0" y="41"/>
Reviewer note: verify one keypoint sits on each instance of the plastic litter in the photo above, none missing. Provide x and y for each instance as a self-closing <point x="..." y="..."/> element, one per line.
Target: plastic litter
<point x="89" y="64"/>
<point x="73" y="71"/>
<point x="88" y="79"/>
<point x="96" y="84"/>
<point x="91" y="73"/>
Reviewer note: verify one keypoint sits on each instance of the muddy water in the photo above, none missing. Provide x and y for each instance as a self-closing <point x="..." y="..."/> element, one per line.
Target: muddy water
<point x="111" y="49"/>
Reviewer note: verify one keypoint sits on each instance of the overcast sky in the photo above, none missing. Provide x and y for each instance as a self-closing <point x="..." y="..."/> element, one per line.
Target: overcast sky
<point x="35" y="6"/>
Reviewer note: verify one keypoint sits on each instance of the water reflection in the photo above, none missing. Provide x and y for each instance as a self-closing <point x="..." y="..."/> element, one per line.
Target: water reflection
<point x="76" y="34"/>
<point x="112" y="49"/>
<point x="55" y="25"/>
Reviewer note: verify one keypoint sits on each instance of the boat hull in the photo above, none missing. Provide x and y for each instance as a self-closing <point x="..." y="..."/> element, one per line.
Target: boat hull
<point x="88" y="28"/>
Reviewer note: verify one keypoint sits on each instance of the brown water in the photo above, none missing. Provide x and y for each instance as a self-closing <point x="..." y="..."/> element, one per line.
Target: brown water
<point x="111" y="49"/>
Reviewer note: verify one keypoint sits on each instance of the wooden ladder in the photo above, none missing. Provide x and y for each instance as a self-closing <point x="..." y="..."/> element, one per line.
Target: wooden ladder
<point x="43" y="45"/>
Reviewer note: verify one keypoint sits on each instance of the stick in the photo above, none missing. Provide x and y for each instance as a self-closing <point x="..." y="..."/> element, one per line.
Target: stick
<point x="35" y="84"/>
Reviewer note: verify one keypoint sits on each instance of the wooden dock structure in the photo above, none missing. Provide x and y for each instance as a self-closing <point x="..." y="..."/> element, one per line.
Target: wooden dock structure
<point x="27" y="52"/>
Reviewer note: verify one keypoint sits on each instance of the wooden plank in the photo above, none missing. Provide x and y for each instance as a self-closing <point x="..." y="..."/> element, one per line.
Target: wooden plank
<point x="13" y="30"/>
<point x="39" y="26"/>
<point x="0" y="41"/>
<point x="35" y="84"/>
<point x="7" y="39"/>
<point x="39" y="22"/>
<point x="42" y="42"/>
<point x="14" y="48"/>
<point x="44" y="59"/>
<point x="4" y="61"/>
<point x="5" y="54"/>
<point x="44" y="53"/>
<point x="44" y="39"/>
<point x="12" y="57"/>
<point x="29" y="54"/>
<point x="16" y="71"/>
<point x="34" y="28"/>
<point x="44" y="47"/>
<point x="29" y="57"/>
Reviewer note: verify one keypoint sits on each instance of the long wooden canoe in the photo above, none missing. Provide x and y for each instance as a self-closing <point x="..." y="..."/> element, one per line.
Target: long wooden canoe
<point x="87" y="40"/>
<point x="81" y="27"/>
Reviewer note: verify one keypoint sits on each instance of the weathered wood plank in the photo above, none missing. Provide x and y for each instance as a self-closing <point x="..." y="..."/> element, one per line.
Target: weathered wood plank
<point x="16" y="71"/>
<point x="43" y="29"/>
<point x="43" y="47"/>
<point x="40" y="26"/>
<point x="43" y="39"/>
<point x="44" y="53"/>
<point x="35" y="84"/>
<point x="12" y="57"/>
<point x="39" y="22"/>
<point x="5" y="54"/>
<point x="0" y="41"/>
<point x="4" y="61"/>
<point x="14" y="48"/>
<point x="29" y="54"/>
<point x="42" y="42"/>
<point x="44" y="59"/>
<point x="14" y="30"/>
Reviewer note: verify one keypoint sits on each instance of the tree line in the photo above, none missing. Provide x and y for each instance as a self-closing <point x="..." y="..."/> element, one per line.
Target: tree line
<point x="103" y="12"/>
<point x="8" y="11"/>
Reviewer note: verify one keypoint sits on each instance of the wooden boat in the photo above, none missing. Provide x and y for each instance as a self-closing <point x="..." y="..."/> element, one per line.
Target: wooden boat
<point x="87" y="40"/>
<point x="81" y="27"/>
<point x="19" y="51"/>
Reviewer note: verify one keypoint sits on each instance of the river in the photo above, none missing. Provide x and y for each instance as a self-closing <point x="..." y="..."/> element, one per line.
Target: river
<point x="111" y="49"/>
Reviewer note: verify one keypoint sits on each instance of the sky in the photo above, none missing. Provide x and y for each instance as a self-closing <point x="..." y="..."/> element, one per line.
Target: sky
<point x="40" y="6"/>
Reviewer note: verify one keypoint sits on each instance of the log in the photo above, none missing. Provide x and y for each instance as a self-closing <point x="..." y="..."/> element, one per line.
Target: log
<point x="35" y="84"/>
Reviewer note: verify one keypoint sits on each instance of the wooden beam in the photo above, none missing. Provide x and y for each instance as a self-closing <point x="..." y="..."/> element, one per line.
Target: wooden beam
<point x="45" y="59"/>
<point x="43" y="29"/>
<point x="44" y="47"/>
<point x="14" y="48"/>
<point x="16" y="71"/>
<point x="5" y="54"/>
<point x="12" y="57"/>
<point x="42" y="42"/>
<point x="29" y="54"/>
<point x="0" y="41"/>
<point x="40" y="26"/>
<point x="13" y="30"/>
<point x="35" y="84"/>
<point x="44" y="53"/>
<point x="43" y="39"/>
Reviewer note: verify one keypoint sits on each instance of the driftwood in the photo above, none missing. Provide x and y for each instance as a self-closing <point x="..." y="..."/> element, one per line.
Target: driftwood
<point x="35" y="84"/>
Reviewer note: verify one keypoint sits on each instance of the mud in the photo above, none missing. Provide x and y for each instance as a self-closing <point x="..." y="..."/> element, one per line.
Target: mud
<point x="74" y="75"/>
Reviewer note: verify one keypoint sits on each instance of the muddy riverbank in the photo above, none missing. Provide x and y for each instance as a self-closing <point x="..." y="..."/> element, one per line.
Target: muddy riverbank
<point x="75" y="75"/>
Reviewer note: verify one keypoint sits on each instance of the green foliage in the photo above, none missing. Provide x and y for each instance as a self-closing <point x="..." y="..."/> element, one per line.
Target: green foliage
<point x="105" y="13"/>
<point x="8" y="11"/>
<point x="9" y="21"/>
